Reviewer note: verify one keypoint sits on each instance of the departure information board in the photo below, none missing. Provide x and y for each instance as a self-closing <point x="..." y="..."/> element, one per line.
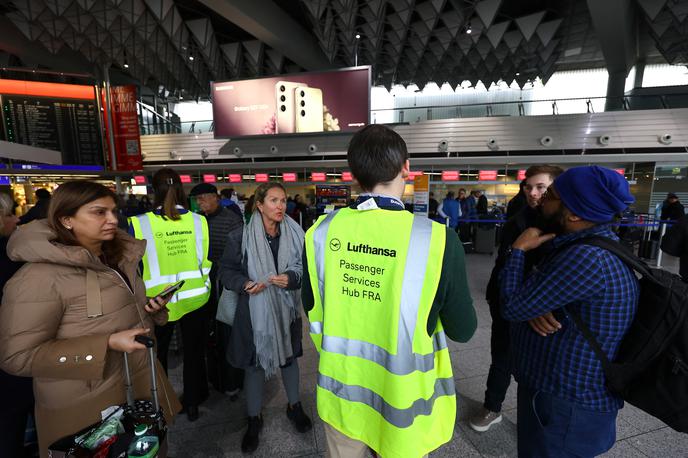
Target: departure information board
<point x="40" y="117"/>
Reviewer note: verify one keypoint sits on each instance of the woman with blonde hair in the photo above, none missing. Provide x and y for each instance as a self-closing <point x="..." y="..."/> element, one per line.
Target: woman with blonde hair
<point x="262" y="267"/>
<point x="71" y="311"/>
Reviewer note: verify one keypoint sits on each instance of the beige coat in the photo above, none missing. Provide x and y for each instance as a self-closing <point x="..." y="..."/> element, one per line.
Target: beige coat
<point x="45" y="331"/>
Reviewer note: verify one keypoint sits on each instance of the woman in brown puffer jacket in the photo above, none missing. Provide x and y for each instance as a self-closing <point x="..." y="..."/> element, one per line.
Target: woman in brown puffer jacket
<point x="73" y="308"/>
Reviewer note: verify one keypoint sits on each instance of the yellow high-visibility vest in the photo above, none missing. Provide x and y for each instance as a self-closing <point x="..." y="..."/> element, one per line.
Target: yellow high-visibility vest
<point x="176" y="250"/>
<point x="381" y="379"/>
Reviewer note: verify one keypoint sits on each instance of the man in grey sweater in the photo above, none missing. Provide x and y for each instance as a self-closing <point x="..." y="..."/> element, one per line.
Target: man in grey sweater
<point x="221" y="222"/>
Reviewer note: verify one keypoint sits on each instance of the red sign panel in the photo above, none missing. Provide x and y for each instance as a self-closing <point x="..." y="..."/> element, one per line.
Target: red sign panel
<point x="620" y="171"/>
<point x="487" y="175"/>
<point x="521" y="175"/>
<point x="450" y="175"/>
<point x="125" y="123"/>
<point x="185" y="178"/>
<point x="413" y="174"/>
<point x="208" y="178"/>
<point x="262" y="178"/>
<point x="235" y="178"/>
<point x="318" y="176"/>
<point x="347" y="176"/>
<point x="140" y="179"/>
<point x="289" y="177"/>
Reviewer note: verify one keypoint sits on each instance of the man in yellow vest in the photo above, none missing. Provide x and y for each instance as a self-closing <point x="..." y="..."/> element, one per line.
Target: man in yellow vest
<point x="383" y="289"/>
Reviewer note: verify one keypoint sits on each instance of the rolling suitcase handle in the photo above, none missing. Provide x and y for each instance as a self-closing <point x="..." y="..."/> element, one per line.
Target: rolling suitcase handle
<point x="150" y="344"/>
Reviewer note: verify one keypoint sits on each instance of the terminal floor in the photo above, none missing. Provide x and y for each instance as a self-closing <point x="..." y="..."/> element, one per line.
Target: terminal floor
<point x="218" y="431"/>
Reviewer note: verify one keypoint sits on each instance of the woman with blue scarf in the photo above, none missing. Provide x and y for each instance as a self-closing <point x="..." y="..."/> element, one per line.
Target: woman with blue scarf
<point x="262" y="266"/>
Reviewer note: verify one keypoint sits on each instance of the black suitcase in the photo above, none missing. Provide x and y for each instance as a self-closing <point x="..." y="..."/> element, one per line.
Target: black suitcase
<point x="136" y="412"/>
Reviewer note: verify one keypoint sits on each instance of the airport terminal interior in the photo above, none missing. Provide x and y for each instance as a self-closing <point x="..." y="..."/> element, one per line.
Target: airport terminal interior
<point x="230" y="95"/>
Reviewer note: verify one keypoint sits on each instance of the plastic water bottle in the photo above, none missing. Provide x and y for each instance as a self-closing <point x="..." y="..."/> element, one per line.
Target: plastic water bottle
<point x="145" y="446"/>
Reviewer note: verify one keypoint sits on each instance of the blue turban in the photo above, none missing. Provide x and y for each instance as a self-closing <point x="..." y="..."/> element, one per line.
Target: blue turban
<point x="594" y="193"/>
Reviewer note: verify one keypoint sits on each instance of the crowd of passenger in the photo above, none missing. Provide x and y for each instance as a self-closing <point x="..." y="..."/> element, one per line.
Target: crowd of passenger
<point x="85" y="271"/>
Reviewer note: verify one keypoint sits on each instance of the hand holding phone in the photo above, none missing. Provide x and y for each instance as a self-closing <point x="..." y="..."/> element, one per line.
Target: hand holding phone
<point x="171" y="289"/>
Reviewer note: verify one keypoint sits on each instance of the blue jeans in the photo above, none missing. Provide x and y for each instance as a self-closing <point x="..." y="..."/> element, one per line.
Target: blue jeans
<point x="549" y="427"/>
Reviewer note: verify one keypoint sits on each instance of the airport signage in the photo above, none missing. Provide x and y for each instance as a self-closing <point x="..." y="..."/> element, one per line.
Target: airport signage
<point x="450" y="175"/>
<point x="487" y="175"/>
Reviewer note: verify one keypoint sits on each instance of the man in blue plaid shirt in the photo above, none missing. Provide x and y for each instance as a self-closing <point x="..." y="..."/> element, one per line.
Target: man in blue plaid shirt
<point x="564" y="408"/>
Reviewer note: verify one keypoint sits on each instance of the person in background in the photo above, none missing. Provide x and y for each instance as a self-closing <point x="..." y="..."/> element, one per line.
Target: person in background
<point x="384" y="374"/>
<point x="73" y="308"/>
<point x="672" y="208"/>
<point x="16" y="393"/>
<point x="433" y="204"/>
<point x="228" y="199"/>
<point x="481" y="204"/>
<point x="132" y="206"/>
<point x="564" y="406"/>
<point x="518" y="202"/>
<point x="450" y="209"/>
<point x="221" y="221"/>
<point x="248" y="209"/>
<point x="177" y="248"/>
<point x="262" y="265"/>
<point x="40" y="210"/>
<point x="145" y="205"/>
<point x="538" y="179"/>
<point x="675" y="243"/>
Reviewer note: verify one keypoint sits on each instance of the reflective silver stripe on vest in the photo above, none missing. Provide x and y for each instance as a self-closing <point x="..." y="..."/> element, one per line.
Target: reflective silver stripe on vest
<point x="316" y="327"/>
<point x="405" y="360"/>
<point x="147" y="233"/>
<point x="401" y="418"/>
<point x="320" y="240"/>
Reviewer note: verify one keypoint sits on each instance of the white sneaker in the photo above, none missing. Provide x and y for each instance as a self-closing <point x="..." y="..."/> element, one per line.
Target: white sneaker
<point x="482" y="421"/>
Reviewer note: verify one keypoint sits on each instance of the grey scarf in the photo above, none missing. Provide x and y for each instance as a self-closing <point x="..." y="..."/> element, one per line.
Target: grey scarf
<point x="273" y="309"/>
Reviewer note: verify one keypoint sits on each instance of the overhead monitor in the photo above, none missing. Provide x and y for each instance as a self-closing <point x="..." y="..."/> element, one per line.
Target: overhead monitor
<point x="55" y="116"/>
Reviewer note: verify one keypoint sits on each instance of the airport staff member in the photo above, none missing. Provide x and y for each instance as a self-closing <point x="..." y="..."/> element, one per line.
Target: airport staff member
<point x="383" y="289"/>
<point x="177" y="249"/>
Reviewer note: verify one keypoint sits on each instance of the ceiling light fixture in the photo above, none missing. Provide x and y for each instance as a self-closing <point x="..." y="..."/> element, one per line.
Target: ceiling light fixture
<point x="126" y="64"/>
<point x="358" y="36"/>
<point x="191" y="58"/>
<point x="469" y="29"/>
<point x="518" y="73"/>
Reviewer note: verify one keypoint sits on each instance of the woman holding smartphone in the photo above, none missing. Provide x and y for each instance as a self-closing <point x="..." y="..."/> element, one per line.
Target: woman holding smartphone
<point x="262" y="264"/>
<point x="71" y="311"/>
<point x="177" y="249"/>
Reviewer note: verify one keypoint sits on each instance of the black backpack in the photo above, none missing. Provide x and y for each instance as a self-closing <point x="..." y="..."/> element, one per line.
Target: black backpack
<point x="651" y="367"/>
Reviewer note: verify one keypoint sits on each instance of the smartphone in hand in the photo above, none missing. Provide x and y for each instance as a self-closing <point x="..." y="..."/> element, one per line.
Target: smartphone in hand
<point x="249" y="285"/>
<point x="171" y="289"/>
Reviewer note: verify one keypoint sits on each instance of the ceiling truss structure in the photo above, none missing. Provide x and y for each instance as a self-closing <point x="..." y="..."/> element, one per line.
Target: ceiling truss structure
<point x="180" y="45"/>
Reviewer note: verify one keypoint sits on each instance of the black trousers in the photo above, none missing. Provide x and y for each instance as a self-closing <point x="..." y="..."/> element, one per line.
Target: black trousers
<point x="17" y="404"/>
<point x="223" y="376"/>
<point x="194" y="327"/>
<point x="499" y="377"/>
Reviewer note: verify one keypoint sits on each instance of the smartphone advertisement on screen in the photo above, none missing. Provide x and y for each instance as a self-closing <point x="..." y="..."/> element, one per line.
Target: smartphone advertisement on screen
<point x="335" y="101"/>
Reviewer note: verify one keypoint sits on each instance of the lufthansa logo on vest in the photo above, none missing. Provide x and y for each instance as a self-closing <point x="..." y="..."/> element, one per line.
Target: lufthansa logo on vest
<point x="367" y="249"/>
<point x="335" y="244"/>
<point x="158" y="235"/>
<point x="171" y="233"/>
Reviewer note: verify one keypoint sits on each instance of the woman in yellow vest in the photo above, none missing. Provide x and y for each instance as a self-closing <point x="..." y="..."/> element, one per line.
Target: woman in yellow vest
<point x="262" y="265"/>
<point x="177" y="249"/>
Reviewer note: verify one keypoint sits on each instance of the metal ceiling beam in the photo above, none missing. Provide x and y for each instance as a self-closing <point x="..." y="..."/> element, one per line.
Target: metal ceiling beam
<point x="615" y="23"/>
<point x="33" y="54"/>
<point x="270" y="24"/>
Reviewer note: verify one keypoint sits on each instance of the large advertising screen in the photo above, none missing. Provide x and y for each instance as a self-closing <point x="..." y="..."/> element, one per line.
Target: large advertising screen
<point x="60" y="117"/>
<point x="293" y="104"/>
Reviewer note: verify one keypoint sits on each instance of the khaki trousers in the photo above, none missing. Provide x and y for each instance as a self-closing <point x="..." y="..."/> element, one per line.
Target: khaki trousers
<point x="342" y="446"/>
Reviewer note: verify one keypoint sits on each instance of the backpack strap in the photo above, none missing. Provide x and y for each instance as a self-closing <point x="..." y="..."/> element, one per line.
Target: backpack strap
<point x="630" y="260"/>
